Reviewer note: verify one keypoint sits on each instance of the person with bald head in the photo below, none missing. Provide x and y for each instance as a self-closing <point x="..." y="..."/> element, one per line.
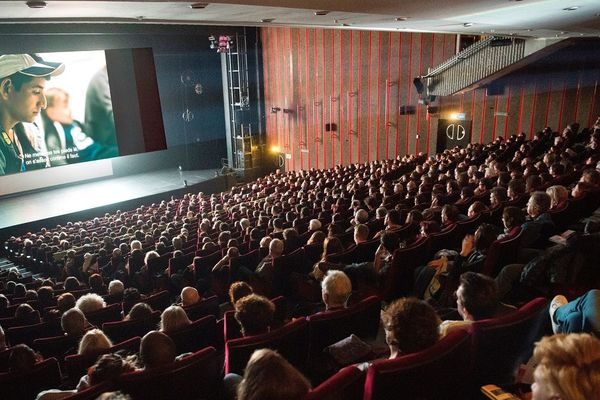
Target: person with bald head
<point x="189" y="296"/>
<point x="157" y="349"/>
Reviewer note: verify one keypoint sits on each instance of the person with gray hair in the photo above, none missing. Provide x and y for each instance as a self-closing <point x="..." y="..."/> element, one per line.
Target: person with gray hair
<point x="90" y="302"/>
<point x="336" y="288"/>
<point x="265" y="270"/>
<point x="314" y="225"/>
<point x="116" y="289"/>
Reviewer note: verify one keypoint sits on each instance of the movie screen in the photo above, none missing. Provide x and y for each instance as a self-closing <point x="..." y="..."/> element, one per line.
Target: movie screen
<point x="59" y="116"/>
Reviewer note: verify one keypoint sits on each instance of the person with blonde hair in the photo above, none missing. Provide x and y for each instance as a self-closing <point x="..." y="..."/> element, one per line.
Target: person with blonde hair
<point x="568" y="368"/>
<point x="270" y="376"/>
<point x="94" y="341"/>
<point x="558" y="197"/>
<point x="173" y="319"/>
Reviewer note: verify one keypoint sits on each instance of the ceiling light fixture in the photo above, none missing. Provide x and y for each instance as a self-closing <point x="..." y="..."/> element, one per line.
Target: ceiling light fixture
<point x="398" y="19"/>
<point x="321" y="12"/>
<point x="573" y="8"/>
<point x="198" y="6"/>
<point x="36" y="4"/>
<point x="467" y="24"/>
<point x="267" y="20"/>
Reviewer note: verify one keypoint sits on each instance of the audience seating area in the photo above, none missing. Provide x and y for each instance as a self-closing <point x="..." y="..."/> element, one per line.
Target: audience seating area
<point x="183" y="239"/>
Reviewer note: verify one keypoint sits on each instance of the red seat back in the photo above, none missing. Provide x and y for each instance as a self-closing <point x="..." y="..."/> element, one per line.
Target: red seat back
<point x="77" y="365"/>
<point x="441" y="372"/>
<point x="291" y="341"/>
<point x="194" y="377"/>
<point x="119" y="331"/>
<point x="346" y="384"/>
<point x="501" y="344"/>
<point x="44" y="375"/>
<point x="199" y="334"/>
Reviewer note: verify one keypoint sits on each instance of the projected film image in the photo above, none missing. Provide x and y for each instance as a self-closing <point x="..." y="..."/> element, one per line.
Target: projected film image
<point x="56" y="110"/>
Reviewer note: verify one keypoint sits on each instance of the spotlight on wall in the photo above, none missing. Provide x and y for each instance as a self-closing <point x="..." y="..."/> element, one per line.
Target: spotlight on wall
<point x="275" y="149"/>
<point x="275" y="109"/>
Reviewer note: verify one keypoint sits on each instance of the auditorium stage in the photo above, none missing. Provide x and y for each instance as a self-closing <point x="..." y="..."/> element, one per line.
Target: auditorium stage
<point x="86" y="200"/>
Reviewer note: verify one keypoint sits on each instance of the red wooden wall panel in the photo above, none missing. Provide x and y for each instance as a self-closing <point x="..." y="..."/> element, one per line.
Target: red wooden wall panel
<point x="359" y="80"/>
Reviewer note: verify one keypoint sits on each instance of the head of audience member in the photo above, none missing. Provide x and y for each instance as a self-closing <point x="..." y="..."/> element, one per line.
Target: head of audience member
<point x="189" y="296"/>
<point x="512" y="217"/>
<point x="138" y="312"/>
<point x="2" y="339"/>
<point x="150" y="255"/>
<point x="568" y="367"/>
<point x="254" y="313"/>
<point x="392" y="219"/>
<point x="331" y="245"/>
<point x="475" y="209"/>
<point x="314" y="225"/>
<point x="90" y="302"/>
<point x="173" y="319"/>
<point x="116" y="288"/>
<point x="450" y="214"/>
<point x="276" y="248"/>
<point x="157" y="349"/>
<point x="317" y="237"/>
<point x="96" y="284"/>
<point x="94" y="341"/>
<point x="265" y="242"/>
<point x="71" y="283"/>
<point x="476" y="296"/>
<point x="498" y="196"/>
<point x="410" y="325"/>
<point x="108" y="367"/>
<point x="45" y="296"/>
<point x="538" y="204"/>
<point x="558" y="196"/>
<point x="591" y="176"/>
<point x="414" y="217"/>
<point x="65" y="302"/>
<point x="269" y="376"/>
<point x="22" y="359"/>
<point x="484" y="236"/>
<point x="336" y="288"/>
<point x="4" y="303"/>
<point x="26" y="315"/>
<point x="20" y="290"/>
<point x="73" y="322"/>
<point x="237" y="290"/>
<point x="429" y="227"/>
<point x="361" y="216"/>
<point x="31" y="295"/>
<point x="361" y="233"/>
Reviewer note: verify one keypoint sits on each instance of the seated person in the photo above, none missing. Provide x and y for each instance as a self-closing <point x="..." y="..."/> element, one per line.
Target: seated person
<point x="568" y="367"/>
<point x="22" y="359"/>
<point x="559" y="196"/>
<point x="26" y="315"/>
<point x="189" y="296"/>
<point x="73" y="323"/>
<point x="94" y="341"/>
<point x="512" y="219"/>
<point x="3" y="345"/>
<point x="90" y="302"/>
<point x="173" y="319"/>
<point x="476" y="208"/>
<point x="237" y="290"/>
<point x="476" y="299"/>
<point x="410" y="325"/>
<point x="270" y="376"/>
<point x="577" y="316"/>
<point x="336" y="289"/>
<point x="265" y="270"/>
<point x="255" y="314"/>
<point x="157" y="350"/>
<point x="539" y="227"/>
<point x="138" y="312"/>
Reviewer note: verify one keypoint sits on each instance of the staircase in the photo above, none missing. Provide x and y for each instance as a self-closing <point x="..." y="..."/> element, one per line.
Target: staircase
<point x="486" y="61"/>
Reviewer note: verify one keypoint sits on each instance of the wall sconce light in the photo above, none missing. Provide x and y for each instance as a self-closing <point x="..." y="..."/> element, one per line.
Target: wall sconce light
<point x="288" y="111"/>
<point x="275" y="109"/>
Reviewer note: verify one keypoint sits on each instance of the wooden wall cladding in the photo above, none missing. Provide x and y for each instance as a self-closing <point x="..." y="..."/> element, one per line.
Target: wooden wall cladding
<point x="356" y="82"/>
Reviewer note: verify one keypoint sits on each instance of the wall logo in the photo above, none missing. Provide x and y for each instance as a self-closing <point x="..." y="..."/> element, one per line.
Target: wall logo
<point x="455" y="132"/>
